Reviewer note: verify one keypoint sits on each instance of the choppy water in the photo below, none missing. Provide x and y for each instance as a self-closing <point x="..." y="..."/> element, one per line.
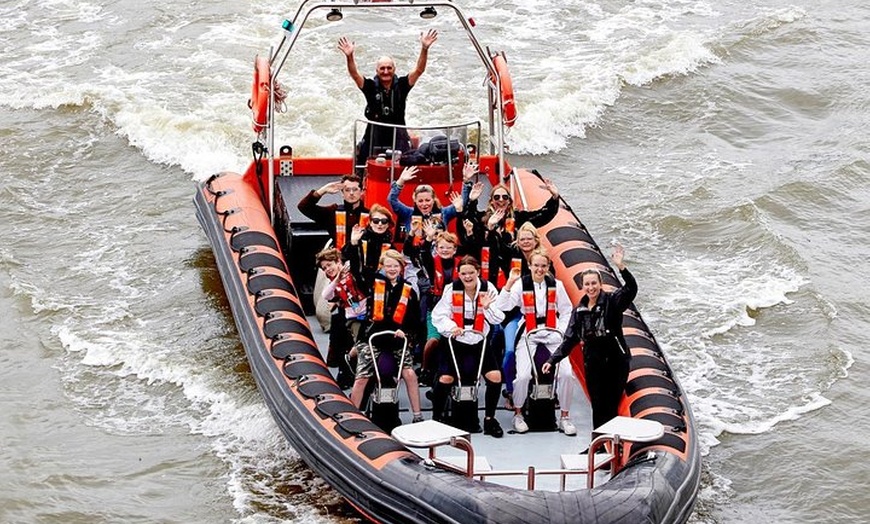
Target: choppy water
<point x="724" y="144"/>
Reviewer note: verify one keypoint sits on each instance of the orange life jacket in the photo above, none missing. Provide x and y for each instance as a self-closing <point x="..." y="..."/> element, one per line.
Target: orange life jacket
<point x="341" y="226"/>
<point x="459" y="306"/>
<point x="365" y="250"/>
<point x="380" y="292"/>
<point x="530" y="307"/>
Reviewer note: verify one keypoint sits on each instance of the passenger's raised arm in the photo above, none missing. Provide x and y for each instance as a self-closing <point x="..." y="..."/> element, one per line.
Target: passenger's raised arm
<point x="408" y="174"/>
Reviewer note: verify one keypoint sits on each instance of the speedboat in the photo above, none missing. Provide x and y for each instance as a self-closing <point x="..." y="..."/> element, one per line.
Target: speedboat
<point x="642" y="466"/>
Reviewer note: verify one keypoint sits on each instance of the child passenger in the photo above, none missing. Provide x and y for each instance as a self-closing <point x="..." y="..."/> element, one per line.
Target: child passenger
<point x="442" y="268"/>
<point x="349" y="307"/>
<point x="393" y="306"/>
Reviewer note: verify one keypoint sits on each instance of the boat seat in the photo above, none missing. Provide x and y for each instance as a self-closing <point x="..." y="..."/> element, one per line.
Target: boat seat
<point x="432" y="434"/>
<point x="619" y="430"/>
<point x="631" y="429"/>
<point x="427" y="434"/>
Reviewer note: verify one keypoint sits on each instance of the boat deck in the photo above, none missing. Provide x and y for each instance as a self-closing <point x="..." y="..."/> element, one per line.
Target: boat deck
<point x="514" y="452"/>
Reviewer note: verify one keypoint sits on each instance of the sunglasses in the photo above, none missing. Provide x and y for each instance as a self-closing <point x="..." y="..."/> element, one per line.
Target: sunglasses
<point x="501" y="197"/>
<point x="380" y="220"/>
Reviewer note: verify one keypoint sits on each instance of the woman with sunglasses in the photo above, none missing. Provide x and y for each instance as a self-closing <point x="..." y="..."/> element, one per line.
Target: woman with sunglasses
<point x="366" y="245"/>
<point x="500" y="221"/>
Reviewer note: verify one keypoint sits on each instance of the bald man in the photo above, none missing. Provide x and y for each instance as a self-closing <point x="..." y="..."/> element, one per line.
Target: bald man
<point x="386" y="95"/>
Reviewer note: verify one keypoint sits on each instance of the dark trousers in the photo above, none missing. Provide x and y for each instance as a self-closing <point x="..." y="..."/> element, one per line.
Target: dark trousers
<point x="605" y="379"/>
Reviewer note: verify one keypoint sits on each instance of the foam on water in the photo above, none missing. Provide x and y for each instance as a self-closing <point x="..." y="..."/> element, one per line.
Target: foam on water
<point x="178" y="95"/>
<point x="125" y="381"/>
<point x="121" y="316"/>
<point x="727" y="292"/>
<point x="189" y="110"/>
<point x="705" y="312"/>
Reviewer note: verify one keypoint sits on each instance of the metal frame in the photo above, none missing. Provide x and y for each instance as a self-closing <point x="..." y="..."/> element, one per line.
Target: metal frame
<point x="278" y="57"/>
<point x="437" y="127"/>
<point x="547" y="390"/>
<point x="459" y="392"/>
<point x="381" y="394"/>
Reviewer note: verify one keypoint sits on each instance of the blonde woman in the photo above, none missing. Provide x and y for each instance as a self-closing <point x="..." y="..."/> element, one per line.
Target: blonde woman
<point x="543" y="303"/>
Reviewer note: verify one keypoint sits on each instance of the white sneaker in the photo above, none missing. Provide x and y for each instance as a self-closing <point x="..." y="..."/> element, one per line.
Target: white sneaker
<point x="566" y="427"/>
<point x="520" y="425"/>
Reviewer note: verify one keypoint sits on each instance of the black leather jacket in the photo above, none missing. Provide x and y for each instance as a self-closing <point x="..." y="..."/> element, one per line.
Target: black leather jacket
<point x="600" y="328"/>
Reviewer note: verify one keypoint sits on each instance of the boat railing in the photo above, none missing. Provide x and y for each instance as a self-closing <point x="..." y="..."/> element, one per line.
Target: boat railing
<point x="531" y="473"/>
<point x="432" y="435"/>
<point x="414" y="144"/>
<point x="607" y="438"/>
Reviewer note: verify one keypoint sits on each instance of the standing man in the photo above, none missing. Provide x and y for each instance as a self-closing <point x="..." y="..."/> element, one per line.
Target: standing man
<point x="386" y="95"/>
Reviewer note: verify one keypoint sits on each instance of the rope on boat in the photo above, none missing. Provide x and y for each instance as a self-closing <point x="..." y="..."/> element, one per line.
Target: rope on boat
<point x="259" y="152"/>
<point x="279" y="94"/>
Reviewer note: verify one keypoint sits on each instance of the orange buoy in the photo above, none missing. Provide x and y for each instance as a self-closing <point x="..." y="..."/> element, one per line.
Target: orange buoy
<point x="259" y="102"/>
<point x="507" y="90"/>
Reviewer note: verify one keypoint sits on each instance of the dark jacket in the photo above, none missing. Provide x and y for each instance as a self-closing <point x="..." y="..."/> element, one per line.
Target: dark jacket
<point x="324" y="216"/>
<point x="538" y="217"/>
<point x="600" y="329"/>
<point x="392" y="296"/>
<point x="500" y="241"/>
<point x="364" y="267"/>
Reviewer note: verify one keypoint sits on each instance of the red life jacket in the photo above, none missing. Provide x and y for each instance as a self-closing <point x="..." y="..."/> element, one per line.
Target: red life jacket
<point x="529" y="308"/>
<point x="438" y="274"/>
<point x="348" y="292"/>
<point x="459" y="306"/>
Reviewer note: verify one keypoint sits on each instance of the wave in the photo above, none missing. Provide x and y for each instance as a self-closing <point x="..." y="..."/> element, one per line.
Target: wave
<point x="756" y="427"/>
<point x="183" y="101"/>
<point x="733" y="304"/>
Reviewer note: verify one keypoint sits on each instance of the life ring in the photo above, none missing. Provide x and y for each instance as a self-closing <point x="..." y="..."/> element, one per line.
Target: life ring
<point x="507" y="90"/>
<point x="260" y="92"/>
